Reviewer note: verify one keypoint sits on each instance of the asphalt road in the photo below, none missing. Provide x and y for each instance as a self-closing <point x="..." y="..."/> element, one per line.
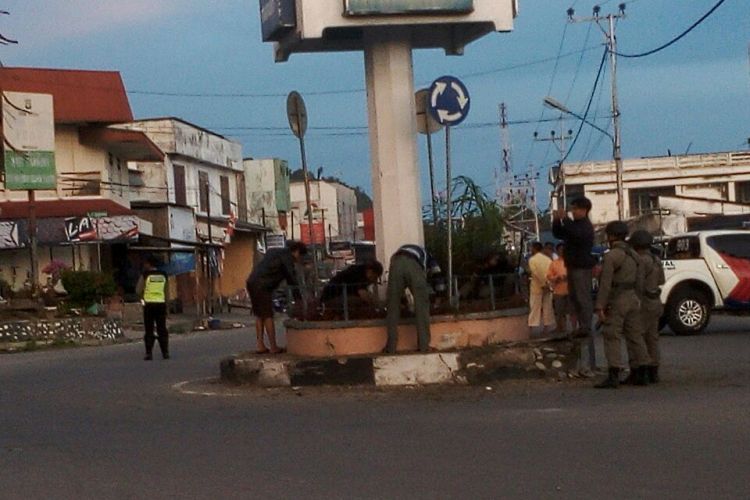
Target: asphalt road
<point x="102" y="423"/>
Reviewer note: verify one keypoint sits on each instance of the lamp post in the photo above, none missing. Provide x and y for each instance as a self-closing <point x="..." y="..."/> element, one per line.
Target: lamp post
<point x="553" y="103"/>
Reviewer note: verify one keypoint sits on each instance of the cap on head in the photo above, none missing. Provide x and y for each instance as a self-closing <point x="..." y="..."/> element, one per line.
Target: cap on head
<point x="641" y="239"/>
<point x="153" y="261"/>
<point x="617" y="229"/>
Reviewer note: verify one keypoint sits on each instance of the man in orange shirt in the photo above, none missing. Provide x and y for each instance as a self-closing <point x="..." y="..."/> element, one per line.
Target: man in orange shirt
<point x="557" y="275"/>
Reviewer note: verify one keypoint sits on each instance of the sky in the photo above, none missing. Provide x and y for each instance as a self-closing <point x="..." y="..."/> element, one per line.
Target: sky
<point x="693" y="96"/>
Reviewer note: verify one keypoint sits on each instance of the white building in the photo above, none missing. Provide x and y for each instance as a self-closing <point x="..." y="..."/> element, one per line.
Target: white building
<point x="334" y="205"/>
<point x="267" y="189"/>
<point x="201" y="171"/>
<point x="697" y="180"/>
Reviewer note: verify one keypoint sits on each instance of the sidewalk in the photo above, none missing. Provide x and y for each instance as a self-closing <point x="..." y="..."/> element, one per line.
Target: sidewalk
<point x="179" y="324"/>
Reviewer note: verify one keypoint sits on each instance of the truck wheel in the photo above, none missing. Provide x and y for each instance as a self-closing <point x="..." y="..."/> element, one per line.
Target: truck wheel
<point x="688" y="312"/>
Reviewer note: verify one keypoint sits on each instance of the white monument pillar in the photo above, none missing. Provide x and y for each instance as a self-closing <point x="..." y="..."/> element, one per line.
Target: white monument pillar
<point x="393" y="140"/>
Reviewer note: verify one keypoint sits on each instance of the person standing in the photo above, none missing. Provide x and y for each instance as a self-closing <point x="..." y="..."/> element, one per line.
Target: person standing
<point x="409" y="268"/>
<point x="558" y="278"/>
<point x="618" y="307"/>
<point x="578" y="235"/>
<point x="153" y="290"/>
<point x="540" y="295"/>
<point x="278" y="265"/>
<point x="651" y="306"/>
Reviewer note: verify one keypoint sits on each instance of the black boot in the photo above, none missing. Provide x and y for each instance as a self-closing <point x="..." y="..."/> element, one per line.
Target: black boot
<point x="612" y="381"/>
<point x="632" y="378"/>
<point x="653" y="374"/>
<point x="641" y="375"/>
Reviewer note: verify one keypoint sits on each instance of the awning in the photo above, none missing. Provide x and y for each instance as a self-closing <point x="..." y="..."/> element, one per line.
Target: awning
<point x="130" y="145"/>
<point x="67" y="207"/>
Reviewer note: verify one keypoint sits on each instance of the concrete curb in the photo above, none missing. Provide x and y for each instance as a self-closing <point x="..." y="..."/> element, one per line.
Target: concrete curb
<point x="537" y="359"/>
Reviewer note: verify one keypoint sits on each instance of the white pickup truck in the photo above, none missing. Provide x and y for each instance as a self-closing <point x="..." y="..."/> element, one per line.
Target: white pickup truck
<point x="704" y="271"/>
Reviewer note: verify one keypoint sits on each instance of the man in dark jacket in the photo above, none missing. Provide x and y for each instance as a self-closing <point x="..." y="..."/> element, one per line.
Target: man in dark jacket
<point x="354" y="282"/>
<point x="277" y="266"/>
<point x="578" y="235"/>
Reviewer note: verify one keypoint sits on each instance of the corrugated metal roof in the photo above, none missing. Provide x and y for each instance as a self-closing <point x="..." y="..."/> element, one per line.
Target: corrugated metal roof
<point x="79" y="96"/>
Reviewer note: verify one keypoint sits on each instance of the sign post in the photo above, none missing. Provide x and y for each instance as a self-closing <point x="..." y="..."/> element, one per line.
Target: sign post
<point x="297" y="114"/>
<point x="427" y="125"/>
<point x="449" y="106"/>
<point x="28" y="131"/>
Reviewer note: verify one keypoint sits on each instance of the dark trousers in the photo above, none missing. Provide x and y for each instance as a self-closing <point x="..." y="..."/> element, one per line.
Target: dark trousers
<point x="579" y="288"/>
<point x="156" y="315"/>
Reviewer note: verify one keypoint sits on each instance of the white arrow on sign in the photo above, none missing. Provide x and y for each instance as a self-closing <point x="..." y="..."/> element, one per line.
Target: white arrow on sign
<point x="439" y="89"/>
<point x="462" y="99"/>
<point x="447" y="116"/>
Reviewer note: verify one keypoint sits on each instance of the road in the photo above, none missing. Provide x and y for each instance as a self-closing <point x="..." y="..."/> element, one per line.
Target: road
<point x="102" y="423"/>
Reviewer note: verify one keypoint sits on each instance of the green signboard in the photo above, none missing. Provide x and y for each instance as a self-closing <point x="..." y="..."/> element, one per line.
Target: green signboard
<point x="394" y="7"/>
<point x="30" y="170"/>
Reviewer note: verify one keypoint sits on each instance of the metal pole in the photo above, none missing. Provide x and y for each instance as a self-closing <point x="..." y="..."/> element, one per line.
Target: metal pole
<point x="430" y="160"/>
<point x="34" y="279"/>
<point x="345" y="302"/>
<point x="291" y="212"/>
<point x="617" y="152"/>
<point x="210" y="249"/>
<point x="309" y="208"/>
<point x="449" y="209"/>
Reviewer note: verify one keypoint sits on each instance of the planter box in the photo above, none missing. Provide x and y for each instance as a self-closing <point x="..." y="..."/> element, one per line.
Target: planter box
<point x="352" y="338"/>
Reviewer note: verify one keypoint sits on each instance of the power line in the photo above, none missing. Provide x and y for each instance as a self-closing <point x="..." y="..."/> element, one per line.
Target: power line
<point x="588" y="106"/>
<point x="679" y="37"/>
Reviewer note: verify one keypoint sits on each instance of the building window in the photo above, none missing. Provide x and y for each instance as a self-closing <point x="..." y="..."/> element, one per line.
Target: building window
<point x="180" y="191"/>
<point x="226" y="205"/>
<point x="645" y="201"/>
<point x="203" y="189"/>
<point x="241" y="198"/>
<point x="743" y="192"/>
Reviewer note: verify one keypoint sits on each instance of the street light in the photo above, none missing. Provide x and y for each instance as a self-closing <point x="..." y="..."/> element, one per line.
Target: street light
<point x="553" y="103"/>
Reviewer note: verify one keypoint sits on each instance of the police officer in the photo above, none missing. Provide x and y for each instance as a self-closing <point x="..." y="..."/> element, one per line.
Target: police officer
<point x="409" y="268"/>
<point x="152" y="288"/>
<point x="651" y="306"/>
<point x="618" y="307"/>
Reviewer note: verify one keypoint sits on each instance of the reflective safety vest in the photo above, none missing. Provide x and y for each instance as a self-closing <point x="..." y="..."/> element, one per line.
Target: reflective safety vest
<point x="155" y="289"/>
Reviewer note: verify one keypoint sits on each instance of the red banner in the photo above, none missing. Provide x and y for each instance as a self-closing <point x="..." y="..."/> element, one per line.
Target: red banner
<point x="319" y="233"/>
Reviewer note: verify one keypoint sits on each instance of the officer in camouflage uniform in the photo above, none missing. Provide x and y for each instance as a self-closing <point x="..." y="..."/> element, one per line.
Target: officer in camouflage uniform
<point x="618" y="307"/>
<point x="651" y="306"/>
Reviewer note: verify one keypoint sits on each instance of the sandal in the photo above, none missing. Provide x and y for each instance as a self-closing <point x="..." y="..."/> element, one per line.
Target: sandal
<point x="263" y="351"/>
<point x="278" y="351"/>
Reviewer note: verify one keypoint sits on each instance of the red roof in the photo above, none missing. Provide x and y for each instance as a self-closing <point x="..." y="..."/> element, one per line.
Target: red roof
<point x="79" y="96"/>
<point x="62" y="208"/>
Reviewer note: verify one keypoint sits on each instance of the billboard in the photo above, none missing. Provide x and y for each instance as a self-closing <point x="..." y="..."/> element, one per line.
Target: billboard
<point x="277" y="17"/>
<point x="394" y="7"/>
<point x="29" y="141"/>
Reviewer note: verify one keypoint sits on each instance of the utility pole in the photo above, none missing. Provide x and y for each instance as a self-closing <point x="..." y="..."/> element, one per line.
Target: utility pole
<point x="504" y="178"/>
<point x="560" y="143"/>
<point x="611" y="40"/>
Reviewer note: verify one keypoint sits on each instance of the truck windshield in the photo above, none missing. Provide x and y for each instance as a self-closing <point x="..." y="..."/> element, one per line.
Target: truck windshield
<point x="683" y="247"/>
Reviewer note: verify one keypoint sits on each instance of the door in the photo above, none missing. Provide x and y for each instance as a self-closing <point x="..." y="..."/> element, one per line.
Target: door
<point x="729" y="261"/>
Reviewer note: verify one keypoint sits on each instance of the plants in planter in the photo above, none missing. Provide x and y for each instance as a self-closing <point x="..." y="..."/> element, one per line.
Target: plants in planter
<point x="88" y="289"/>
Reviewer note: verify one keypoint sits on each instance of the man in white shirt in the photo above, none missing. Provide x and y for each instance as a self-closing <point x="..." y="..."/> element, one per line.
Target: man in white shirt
<point x="541" y="312"/>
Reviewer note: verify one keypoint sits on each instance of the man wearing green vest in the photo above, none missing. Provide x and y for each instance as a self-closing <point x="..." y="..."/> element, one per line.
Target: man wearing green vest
<point x="153" y="290"/>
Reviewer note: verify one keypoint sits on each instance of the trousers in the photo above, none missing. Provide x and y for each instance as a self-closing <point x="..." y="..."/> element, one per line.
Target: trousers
<point x="156" y="315"/>
<point x="579" y="291"/>
<point x="405" y="272"/>
<point x="651" y="313"/>
<point x="624" y="321"/>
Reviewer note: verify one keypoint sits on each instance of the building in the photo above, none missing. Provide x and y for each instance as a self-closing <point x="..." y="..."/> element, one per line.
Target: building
<point x="85" y="220"/>
<point x="196" y="197"/>
<point x="334" y="211"/>
<point x="267" y="188"/>
<point x="681" y="186"/>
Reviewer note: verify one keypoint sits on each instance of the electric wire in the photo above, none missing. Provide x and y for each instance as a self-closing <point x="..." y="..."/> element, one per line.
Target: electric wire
<point x="677" y="38"/>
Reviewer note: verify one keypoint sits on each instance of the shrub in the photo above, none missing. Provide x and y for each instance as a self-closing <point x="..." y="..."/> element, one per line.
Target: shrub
<point x="86" y="288"/>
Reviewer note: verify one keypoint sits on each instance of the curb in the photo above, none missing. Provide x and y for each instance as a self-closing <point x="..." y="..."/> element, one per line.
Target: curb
<point x="556" y="359"/>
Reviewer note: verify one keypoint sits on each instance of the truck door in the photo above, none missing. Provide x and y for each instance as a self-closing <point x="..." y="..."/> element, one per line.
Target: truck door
<point x="728" y="258"/>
